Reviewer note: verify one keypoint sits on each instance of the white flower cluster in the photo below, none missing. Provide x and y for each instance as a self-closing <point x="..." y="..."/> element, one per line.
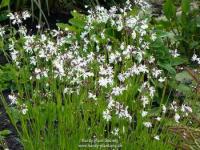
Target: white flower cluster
<point x="17" y="18"/>
<point x="96" y="59"/>
<point x="183" y="110"/>
<point x="14" y="102"/>
<point x="119" y="109"/>
<point x="195" y="58"/>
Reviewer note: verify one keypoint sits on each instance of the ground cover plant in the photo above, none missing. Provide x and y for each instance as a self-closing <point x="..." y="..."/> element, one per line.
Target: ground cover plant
<point x="113" y="78"/>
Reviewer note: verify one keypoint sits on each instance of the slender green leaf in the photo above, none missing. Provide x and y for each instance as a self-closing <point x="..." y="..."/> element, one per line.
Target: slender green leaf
<point x="4" y="3"/>
<point x="169" y="9"/>
<point x="185" y="5"/>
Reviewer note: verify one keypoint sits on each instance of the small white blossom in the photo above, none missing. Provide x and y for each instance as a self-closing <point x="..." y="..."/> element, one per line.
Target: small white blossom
<point x="118" y="90"/>
<point x="13" y="99"/>
<point x="24" y="109"/>
<point x="158" y="118"/>
<point x="144" y="113"/>
<point x="26" y="15"/>
<point x="147" y="124"/>
<point x="164" y="109"/>
<point x="157" y="137"/>
<point x="174" y="53"/>
<point x="106" y="115"/>
<point x="161" y="79"/>
<point x="2" y="31"/>
<point x="115" y="131"/>
<point x="177" y="117"/>
<point x="92" y="96"/>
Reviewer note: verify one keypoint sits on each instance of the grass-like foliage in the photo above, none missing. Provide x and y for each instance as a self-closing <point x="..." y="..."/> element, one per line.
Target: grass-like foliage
<point x="104" y="80"/>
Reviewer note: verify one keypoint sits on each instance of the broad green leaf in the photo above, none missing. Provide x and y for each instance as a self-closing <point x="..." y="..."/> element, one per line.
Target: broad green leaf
<point x="5" y="132"/>
<point x="169" y="9"/>
<point x="167" y="67"/>
<point x="184" y="75"/>
<point x="78" y="19"/>
<point x="65" y="27"/>
<point x="184" y="89"/>
<point x="178" y="61"/>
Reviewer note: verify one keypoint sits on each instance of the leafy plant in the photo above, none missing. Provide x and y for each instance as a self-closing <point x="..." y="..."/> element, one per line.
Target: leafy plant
<point x="3" y="135"/>
<point x="110" y="74"/>
<point x="182" y="24"/>
<point x="4" y="9"/>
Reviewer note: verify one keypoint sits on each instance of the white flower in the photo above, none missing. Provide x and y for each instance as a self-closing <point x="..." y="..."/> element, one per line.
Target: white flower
<point x="92" y="96"/>
<point x="68" y="90"/>
<point x="13" y="99"/>
<point x="183" y="108"/>
<point x="121" y="77"/>
<point x="58" y="64"/>
<point x="15" y="18"/>
<point x="111" y="103"/>
<point x="177" y="117"/>
<point x="115" y="131"/>
<point x="157" y="137"/>
<point x="164" y="109"/>
<point x="139" y="56"/>
<point x="38" y="26"/>
<point x="2" y="31"/>
<point x="161" y="79"/>
<point x="186" y="109"/>
<point x="122" y="46"/>
<point x="144" y="113"/>
<point x="118" y="90"/>
<point x="14" y="55"/>
<point x="37" y="72"/>
<point x="106" y="115"/>
<point x="113" y="58"/>
<point x="22" y="30"/>
<point x="156" y="72"/>
<point x="153" y="37"/>
<point x="152" y="91"/>
<point x="194" y="57"/>
<point x="143" y="68"/>
<point x="151" y="59"/>
<point x="24" y="109"/>
<point x="104" y="82"/>
<point x="158" y="118"/>
<point x="131" y="22"/>
<point x="145" y="101"/>
<point x="106" y="71"/>
<point x="33" y="60"/>
<point x="174" y="53"/>
<point x="147" y="124"/>
<point x="26" y="15"/>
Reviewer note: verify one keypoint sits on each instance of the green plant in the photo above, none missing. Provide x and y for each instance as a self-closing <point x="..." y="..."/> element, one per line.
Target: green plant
<point x="3" y="135"/>
<point x="4" y="9"/>
<point x="181" y="26"/>
<point x="105" y="75"/>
